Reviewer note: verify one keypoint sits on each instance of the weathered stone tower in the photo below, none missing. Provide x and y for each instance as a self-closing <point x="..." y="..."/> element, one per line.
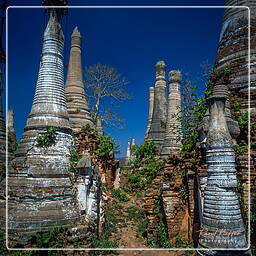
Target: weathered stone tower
<point x="77" y="105"/>
<point x="222" y="223"/>
<point x="150" y="111"/>
<point x="173" y="125"/>
<point x="40" y="195"/>
<point x="10" y="123"/>
<point x="128" y="152"/>
<point x="233" y="50"/>
<point x="157" y="130"/>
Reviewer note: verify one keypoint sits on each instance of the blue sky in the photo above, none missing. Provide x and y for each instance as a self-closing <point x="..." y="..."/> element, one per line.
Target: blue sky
<point x="132" y="40"/>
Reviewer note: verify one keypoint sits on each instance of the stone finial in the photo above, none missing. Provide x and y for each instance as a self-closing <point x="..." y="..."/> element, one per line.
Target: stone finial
<point x="76" y="38"/>
<point x="173" y="125"/>
<point x="221" y="211"/>
<point x="150" y="111"/>
<point x="160" y="72"/>
<point x="10" y="118"/>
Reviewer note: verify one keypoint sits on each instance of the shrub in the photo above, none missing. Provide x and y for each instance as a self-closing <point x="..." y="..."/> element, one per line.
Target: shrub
<point x="48" y="138"/>
<point x="50" y="239"/>
<point x="117" y="193"/>
<point x="136" y="181"/>
<point x="105" y="146"/>
<point x="146" y="150"/>
<point x="86" y="128"/>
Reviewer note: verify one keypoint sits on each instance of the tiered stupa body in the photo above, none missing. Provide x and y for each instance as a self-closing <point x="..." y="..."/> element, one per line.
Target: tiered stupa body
<point x="222" y="223"/>
<point x="173" y="125"/>
<point x="40" y="195"/>
<point x="233" y="50"/>
<point x="77" y="105"/>
<point x="150" y="111"/>
<point x="157" y="130"/>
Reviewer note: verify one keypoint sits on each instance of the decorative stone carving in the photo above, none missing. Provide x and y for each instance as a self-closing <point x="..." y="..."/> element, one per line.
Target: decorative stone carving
<point x="157" y="131"/>
<point x="77" y="105"/>
<point x="173" y="125"/>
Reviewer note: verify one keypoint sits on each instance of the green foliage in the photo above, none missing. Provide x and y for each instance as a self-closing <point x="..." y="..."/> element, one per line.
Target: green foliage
<point x="162" y="240"/>
<point x="181" y="243"/>
<point x="74" y="158"/>
<point x="138" y="215"/>
<point x="145" y="150"/>
<point x="53" y="238"/>
<point x="105" y="146"/>
<point x="13" y="147"/>
<point x="240" y="149"/>
<point x="236" y="106"/>
<point x="146" y="165"/>
<point x="105" y="244"/>
<point x="110" y="227"/>
<point x="48" y="138"/>
<point x="136" y="181"/>
<point x="123" y="197"/>
<point x="86" y="128"/>
<point x="163" y="124"/>
<point x="4" y="251"/>
<point x="183" y="193"/>
<point x="243" y="122"/>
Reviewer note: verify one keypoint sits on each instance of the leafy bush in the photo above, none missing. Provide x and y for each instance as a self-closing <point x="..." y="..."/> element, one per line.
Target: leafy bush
<point x="105" y="146"/>
<point x="50" y="239"/>
<point x="86" y="128"/>
<point x="183" y="194"/>
<point x="136" y="181"/>
<point x="13" y="147"/>
<point x="240" y="149"/>
<point x="74" y="158"/>
<point x="181" y="243"/>
<point x="117" y="193"/>
<point x="48" y="138"/>
<point x="146" y="150"/>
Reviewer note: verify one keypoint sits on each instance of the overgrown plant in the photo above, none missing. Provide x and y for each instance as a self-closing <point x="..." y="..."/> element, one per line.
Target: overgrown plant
<point x="48" y="138"/>
<point x="194" y="108"/>
<point x="145" y="165"/>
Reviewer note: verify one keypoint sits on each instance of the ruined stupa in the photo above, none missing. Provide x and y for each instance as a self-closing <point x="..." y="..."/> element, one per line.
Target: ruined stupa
<point x="233" y="50"/>
<point x="222" y="224"/>
<point x="157" y="129"/>
<point x="77" y="105"/>
<point x="150" y="111"/>
<point x="40" y="195"/>
<point x="173" y="124"/>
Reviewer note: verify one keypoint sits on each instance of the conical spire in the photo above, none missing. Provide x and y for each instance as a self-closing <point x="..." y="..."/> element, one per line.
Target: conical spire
<point x="157" y="129"/>
<point x="77" y="105"/>
<point x="150" y="111"/>
<point x="173" y="125"/>
<point x="39" y="175"/>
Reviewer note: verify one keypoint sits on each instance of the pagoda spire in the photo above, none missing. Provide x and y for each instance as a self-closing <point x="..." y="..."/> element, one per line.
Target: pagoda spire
<point x="77" y="105"/>
<point x="39" y="175"/>
<point x="173" y="125"/>
<point x="157" y="130"/>
<point x="150" y="111"/>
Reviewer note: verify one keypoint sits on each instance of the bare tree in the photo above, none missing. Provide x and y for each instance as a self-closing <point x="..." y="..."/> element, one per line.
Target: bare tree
<point x="106" y="90"/>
